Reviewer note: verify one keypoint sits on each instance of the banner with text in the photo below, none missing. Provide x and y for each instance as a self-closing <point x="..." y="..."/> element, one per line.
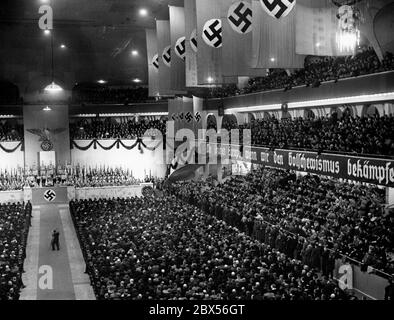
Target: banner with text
<point x="362" y="169"/>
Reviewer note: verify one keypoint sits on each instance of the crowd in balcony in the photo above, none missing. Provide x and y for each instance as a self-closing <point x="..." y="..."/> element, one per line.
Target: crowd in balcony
<point x="10" y="131"/>
<point x="366" y="135"/>
<point x="110" y="95"/>
<point x="316" y="70"/>
<point x="308" y="218"/>
<point x="163" y="249"/>
<point x="14" y="228"/>
<point x="363" y="135"/>
<point x="109" y="128"/>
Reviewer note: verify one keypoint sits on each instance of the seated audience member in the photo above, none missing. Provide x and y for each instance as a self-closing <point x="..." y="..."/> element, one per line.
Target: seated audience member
<point x="14" y="226"/>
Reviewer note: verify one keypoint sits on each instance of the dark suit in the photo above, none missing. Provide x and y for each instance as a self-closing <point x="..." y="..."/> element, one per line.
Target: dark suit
<point x="55" y="240"/>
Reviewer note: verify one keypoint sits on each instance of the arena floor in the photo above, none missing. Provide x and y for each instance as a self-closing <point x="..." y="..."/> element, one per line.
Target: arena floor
<point x="69" y="282"/>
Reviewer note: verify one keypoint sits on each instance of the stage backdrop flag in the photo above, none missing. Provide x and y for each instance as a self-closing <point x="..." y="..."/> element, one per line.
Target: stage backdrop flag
<point x="191" y="43"/>
<point x="165" y="57"/>
<point x="210" y="42"/>
<point x="274" y="43"/>
<point x="178" y="47"/>
<point x="316" y="27"/>
<point x="237" y="19"/>
<point x="153" y="62"/>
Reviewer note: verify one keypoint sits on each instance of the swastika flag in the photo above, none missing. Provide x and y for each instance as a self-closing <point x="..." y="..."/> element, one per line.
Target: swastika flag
<point x="237" y="23"/>
<point x="153" y="62"/>
<point x="209" y="39"/>
<point x="274" y="41"/>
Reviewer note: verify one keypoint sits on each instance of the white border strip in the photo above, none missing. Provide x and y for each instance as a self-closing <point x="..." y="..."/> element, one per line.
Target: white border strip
<point x="30" y="277"/>
<point x="318" y="103"/>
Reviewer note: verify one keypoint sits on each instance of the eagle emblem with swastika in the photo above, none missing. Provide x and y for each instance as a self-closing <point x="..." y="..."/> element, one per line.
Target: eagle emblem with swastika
<point x="240" y="17"/>
<point x="155" y="61"/>
<point x="278" y="8"/>
<point x="49" y="195"/>
<point x="166" y="56"/>
<point x="212" y="33"/>
<point x="180" y="48"/>
<point x="46" y="146"/>
<point x="193" y="40"/>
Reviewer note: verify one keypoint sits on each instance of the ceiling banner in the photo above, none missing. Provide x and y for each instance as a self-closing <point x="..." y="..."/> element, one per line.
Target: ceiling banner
<point x="274" y="40"/>
<point x="153" y="62"/>
<point x="178" y="47"/>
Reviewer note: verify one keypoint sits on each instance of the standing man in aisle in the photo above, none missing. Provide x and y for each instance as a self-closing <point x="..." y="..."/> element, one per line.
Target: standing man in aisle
<point x="55" y="240"/>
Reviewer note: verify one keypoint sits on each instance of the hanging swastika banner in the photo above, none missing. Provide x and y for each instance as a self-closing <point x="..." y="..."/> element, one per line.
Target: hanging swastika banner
<point x="193" y="40"/>
<point x="240" y="17"/>
<point x="212" y="33"/>
<point x="180" y="48"/>
<point x="167" y="56"/>
<point x="278" y="8"/>
<point x="155" y="61"/>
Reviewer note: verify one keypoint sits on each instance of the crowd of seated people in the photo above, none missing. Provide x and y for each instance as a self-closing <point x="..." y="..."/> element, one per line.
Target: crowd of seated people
<point x="14" y="228"/>
<point x="110" y="95"/>
<point x="315" y="71"/>
<point x="362" y="135"/>
<point x="10" y="131"/>
<point x="111" y="129"/>
<point x="10" y="182"/>
<point x="163" y="249"/>
<point x="304" y="217"/>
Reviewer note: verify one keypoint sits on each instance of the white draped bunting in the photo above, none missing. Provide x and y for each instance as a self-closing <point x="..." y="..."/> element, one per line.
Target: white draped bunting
<point x="140" y="164"/>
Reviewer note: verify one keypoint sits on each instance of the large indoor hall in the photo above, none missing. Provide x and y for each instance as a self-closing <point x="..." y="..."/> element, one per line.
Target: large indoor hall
<point x="197" y="158"/>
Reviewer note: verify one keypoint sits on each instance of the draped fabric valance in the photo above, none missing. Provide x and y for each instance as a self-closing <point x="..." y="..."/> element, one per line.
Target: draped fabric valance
<point x="13" y="148"/>
<point x="113" y="144"/>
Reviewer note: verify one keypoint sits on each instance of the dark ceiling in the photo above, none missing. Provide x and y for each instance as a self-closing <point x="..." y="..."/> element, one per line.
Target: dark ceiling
<point x="92" y="30"/>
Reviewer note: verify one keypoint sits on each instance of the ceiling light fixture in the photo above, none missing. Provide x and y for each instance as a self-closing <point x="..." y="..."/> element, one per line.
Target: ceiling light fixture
<point x="143" y="12"/>
<point x="52" y="87"/>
